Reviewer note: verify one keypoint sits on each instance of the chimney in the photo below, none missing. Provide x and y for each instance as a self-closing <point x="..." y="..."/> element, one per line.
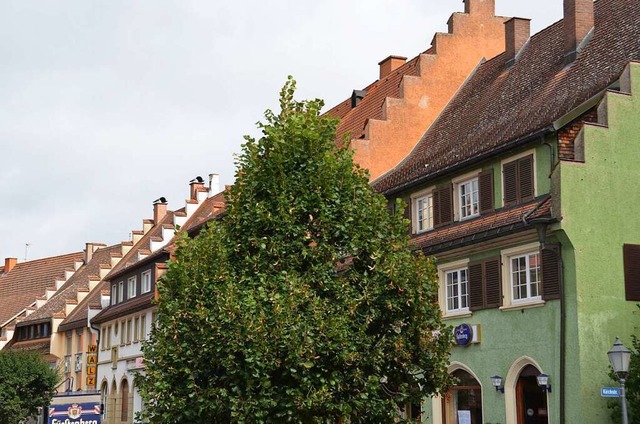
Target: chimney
<point x="214" y="184"/>
<point x="9" y="263"/>
<point x="196" y="184"/>
<point x="487" y="7"/>
<point x="578" y="21"/>
<point x="159" y="209"/>
<point x="357" y="96"/>
<point x="88" y="252"/>
<point x="390" y="64"/>
<point x="516" y="32"/>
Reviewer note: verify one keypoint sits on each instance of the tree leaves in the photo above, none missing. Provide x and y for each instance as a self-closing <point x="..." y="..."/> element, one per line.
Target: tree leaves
<point x="298" y="303"/>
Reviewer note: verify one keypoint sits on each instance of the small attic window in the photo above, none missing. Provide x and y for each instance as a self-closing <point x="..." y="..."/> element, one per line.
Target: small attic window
<point x="357" y="96"/>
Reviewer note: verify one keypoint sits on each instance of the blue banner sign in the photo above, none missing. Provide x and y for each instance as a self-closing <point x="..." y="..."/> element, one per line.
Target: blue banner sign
<point x="75" y="413"/>
<point x="610" y="392"/>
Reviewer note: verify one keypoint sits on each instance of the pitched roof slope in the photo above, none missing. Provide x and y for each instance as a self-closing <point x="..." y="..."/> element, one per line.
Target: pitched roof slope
<point x="500" y="105"/>
<point x="78" y="317"/>
<point x="29" y="280"/>
<point x="78" y="281"/>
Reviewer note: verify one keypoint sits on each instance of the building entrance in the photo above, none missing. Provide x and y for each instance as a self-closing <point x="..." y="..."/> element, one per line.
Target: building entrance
<point x="530" y="398"/>
<point x="463" y="402"/>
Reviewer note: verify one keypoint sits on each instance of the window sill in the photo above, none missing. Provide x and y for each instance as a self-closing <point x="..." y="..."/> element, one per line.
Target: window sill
<point x="527" y="305"/>
<point x="458" y="314"/>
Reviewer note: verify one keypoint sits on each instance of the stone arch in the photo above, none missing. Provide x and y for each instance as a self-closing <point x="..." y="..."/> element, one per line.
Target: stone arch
<point x="510" y="383"/>
<point x="440" y="403"/>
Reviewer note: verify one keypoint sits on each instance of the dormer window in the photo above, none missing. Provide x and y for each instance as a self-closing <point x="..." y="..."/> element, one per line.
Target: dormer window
<point x="131" y="288"/>
<point x="120" y="291"/>
<point x="114" y="292"/>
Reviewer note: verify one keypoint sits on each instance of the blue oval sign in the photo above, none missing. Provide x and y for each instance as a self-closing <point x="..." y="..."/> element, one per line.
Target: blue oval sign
<point x="463" y="334"/>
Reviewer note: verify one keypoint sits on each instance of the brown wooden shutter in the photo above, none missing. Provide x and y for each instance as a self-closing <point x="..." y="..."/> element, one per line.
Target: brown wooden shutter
<point x="551" y="272"/>
<point x="510" y="182"/>
<point x="485" y="183"/>
<point x="476" y="295"/>
<point x="442" y="205"/>
<point x="493" y="283"/>
<point x="631" y="254"/>
<point x="525" y="178"/>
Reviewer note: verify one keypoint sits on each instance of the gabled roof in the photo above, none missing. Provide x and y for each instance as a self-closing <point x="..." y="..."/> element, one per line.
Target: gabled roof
<point x="29" y="280"/>
<point x="78" y="317"/>
<point x="500" y="106"/>
<point x="138" y="304"/>
<point x="69" y="290"/>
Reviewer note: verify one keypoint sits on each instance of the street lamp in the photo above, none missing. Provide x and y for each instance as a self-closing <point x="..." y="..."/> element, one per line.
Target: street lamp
<point x="619" y="356"/>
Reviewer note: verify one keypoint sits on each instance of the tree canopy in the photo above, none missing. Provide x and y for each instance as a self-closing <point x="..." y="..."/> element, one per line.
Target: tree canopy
<point x="304" y="303"/>
<point x="26" y="383"/>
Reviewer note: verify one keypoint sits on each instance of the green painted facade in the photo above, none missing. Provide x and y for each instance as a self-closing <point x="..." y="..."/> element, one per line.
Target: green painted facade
<point x="596" y="202"/>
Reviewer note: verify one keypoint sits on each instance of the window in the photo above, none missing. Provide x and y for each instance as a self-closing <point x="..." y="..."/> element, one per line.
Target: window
<point x="631" y="254"/>
<point x="131" y="287"/>
<point x="465" y="396"/>
<point x="518" y="180"/>
<point x="122" y="332"/>
<point x="129" y="332"/>
<point x="525" y="277"/>
<point x="143" y="327"/>
<point x="457" y="290"/>
<point x="78" y="362"/>
<point x="120" y="291"/>
<point x="424" y="213"/>
<point x="114" y="292"/>
<point x="136" y="324"/>
<point x="468" y="199"/>
<point x="146" y="282"/>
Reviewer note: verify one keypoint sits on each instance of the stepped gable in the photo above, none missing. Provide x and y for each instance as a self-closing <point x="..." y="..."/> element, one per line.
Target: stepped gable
<point x="144" y="245"/>
<point x="79" y="281"/>
<point x="78" y="317"/>
<point x="385" y="120"/>
<point x="501" y="106"/>
<point x="29" y="280"/>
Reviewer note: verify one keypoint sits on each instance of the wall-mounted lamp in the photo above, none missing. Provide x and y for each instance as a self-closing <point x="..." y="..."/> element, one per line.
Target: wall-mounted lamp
<point x="496" y="380"/>
<point x="543" y="382"/>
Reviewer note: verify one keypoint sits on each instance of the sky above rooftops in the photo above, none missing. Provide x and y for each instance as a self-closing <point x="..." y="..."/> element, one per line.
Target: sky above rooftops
<point x="107" y="106"/>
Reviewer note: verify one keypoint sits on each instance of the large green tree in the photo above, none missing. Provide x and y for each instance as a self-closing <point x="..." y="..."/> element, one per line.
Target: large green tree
<point x="26" y="383"/>
<point x="304" y="303"/>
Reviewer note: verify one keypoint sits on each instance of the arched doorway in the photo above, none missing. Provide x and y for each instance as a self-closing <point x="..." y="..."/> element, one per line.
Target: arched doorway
<point x="463" y="402"/>
<point x="531" y="400"/>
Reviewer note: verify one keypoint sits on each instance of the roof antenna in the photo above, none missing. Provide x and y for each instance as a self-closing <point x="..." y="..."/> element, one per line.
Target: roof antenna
<point x="26" y="249"/>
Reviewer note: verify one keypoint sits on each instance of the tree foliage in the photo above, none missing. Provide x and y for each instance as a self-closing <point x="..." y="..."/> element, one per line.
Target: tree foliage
<point x="26" y="383"/>
<point x="304" y="303"/>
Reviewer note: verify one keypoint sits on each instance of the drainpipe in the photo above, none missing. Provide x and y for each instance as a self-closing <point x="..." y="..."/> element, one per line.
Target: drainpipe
<point x="541" y="227"/>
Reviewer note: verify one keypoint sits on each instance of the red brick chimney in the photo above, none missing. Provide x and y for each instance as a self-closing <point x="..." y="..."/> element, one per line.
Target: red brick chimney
<point x="516" y="33"/>
<point x="196" y="185"/>
<point x="578" y="21"/>
<point x="390" y="64"/>
<point x="488" y="7"/>
<point x="159" y="209"/>
<point x="9" y="263"/>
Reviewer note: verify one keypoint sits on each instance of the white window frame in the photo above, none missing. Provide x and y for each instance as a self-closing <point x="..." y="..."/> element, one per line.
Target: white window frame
<point x="120" y="291"/>
<point x="422" y="195"/>
<point x="457" y="206"/>
<point x="511" y="159"/>
<point x="131" y="287"/>
<point x="509" y="302"/>
<point x="145" y="283"/>
<point x="462" y="283"/>
<point x="443" y="270"/>
<point x="114" y="292"/>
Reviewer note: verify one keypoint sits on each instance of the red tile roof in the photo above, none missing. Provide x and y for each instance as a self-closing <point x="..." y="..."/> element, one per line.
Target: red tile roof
<point x="500" y="106"/>
<point x="79" y="281"/>
<point x="501" y="222"/>
<point x="29" y="280"/>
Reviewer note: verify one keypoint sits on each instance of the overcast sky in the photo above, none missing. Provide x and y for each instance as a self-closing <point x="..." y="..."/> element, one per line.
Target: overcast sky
<point x="108" y="105"/>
